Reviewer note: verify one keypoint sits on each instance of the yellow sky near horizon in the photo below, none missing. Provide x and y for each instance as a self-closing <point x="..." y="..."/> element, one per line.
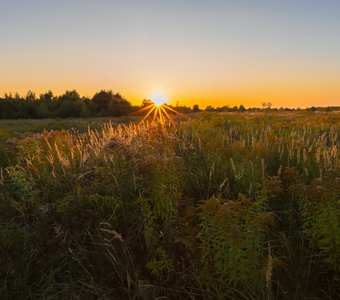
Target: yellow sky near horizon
<point x="287" y="94"/>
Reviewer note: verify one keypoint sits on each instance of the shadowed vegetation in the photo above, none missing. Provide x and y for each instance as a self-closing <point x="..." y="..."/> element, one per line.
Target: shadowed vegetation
<point x="221" y="206"/>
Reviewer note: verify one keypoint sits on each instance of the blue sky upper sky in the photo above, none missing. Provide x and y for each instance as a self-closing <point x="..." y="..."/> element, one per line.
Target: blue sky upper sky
<point x="208" y="52"/>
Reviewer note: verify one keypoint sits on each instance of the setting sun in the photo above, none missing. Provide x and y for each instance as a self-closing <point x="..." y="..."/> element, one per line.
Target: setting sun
<point x="158" y="98"/>
<point x="157" y="110"/>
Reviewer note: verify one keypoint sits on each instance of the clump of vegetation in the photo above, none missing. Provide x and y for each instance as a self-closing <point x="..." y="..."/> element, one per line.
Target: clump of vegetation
<point x="242" y="206"/>
<point x="69" y="104"/>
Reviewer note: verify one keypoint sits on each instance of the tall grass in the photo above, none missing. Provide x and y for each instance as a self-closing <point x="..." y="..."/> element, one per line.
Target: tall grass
<point x="226" y="206"/>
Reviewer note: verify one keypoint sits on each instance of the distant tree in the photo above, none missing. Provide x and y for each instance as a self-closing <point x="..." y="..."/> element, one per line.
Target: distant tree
<point x="267" y="105"/>
<point x="8" y="96"/>
<point x="69" y="109"/>
<point x="30" y="96"/>
<point x="101" y="101"/>
<point x="70" y="96"/>
<point x="42" y="110"/>
<point x="241" y="108"/>
<point x="183" y="109"/>
<point x="84" y="109"/>
<point x="196" y="108"/>
<point x="28" y="108"/>
<point x="106" y="103"/>
<point x="17" y="97"/>
<point x="146" y="102"/>
<point x="46" y="105"/>
<point x="234" y="108"/>
<point x="48" y="96"/>
<point x="69" y="105"/>
<point x="225" y="108"/>
<point x="119" y="107"/>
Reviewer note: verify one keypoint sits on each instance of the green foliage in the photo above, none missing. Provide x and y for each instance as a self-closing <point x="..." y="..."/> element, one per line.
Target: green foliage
<point x="232" y="240"/>
<point x="161" y="264"/>
<point x="320" y="210"/>
<point x="67" y="105"/>
<point x="223" y="206"/>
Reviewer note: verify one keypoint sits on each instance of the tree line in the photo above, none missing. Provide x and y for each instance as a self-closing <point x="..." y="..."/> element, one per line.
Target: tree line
<point x="104" y="103"/>
<point x="70" y="104"/>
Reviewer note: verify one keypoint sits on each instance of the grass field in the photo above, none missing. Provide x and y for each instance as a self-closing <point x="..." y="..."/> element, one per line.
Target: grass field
<point x="219" y="206"/>
<point x="13" y="130"/>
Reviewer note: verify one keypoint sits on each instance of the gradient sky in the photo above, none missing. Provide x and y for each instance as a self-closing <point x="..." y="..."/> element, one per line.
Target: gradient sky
<point x="211" y="52"/>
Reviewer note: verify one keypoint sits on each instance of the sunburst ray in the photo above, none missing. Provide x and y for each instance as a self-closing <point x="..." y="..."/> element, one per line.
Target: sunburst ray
<point x="144" y="108"/>
<point x="173" y="110"/>
<point x="149" y="113"/>
<point x="167" y="115"/>
<point x="159" y="113"/>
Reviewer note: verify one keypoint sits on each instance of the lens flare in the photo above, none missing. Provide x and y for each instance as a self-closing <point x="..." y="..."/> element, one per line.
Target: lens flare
<point x="158" y="98"/>
<point x="158" y="111"/>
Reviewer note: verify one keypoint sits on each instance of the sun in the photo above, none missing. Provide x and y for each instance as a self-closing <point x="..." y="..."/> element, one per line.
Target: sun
<point x="158" y="111"/>
<point x="158" y="98"/>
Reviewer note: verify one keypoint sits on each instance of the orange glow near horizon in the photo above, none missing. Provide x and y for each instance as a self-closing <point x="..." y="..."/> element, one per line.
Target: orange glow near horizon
<point x="315" y="95"/>
<point x="159" y="113"/>
<point x="301" y="94"/>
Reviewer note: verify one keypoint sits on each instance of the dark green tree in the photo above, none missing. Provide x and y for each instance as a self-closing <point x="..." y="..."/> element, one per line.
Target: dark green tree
<point x="196" y="108"/>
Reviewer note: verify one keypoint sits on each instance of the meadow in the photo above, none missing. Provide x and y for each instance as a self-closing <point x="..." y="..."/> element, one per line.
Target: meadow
<point x="216" y="206"/>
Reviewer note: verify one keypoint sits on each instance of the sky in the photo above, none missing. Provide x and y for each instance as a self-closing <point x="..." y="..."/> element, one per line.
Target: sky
<point x="209" y="52"/>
